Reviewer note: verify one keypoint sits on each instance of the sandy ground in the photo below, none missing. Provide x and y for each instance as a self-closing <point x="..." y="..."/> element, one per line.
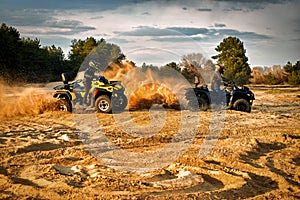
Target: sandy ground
<point x="256" y="156"/>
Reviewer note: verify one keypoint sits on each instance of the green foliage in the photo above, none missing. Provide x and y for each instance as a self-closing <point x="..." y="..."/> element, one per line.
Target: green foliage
<point x="171" y="69"/>
<point x="294" y="78"/>
<point x="83" y="51"/>
<point x="57" y="62"/>
<point x="232" y="56"/>
<point x="293" y="73"/>
<point x="145" y="67"/>
<point x="34" y="65"/>
<point x="271" y="79"/>
<point x="26" y="61"/>
<point x="23" y="59"/>
<point x="9" y="44"/>
<point x="173" y="66"/>
<point x="288" y="67"/>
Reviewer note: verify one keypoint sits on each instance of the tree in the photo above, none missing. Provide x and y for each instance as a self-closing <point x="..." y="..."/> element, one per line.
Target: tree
<point x="232" y="57"/>
<point x="34" y="64"/>
<point x="83" y="51"/>
<point x="22" y="59"/>
<point x="9" y="45"/>
<point x="293" y="73"/>
<point x="258" y="76"/>
<point x="271" y="79"/>
<point x="174" y="66"/>
<point x="294" y="78"/>
<point x="288" y="67"/>
<point x="57" y="62"/>
<point x="195" y="65"/>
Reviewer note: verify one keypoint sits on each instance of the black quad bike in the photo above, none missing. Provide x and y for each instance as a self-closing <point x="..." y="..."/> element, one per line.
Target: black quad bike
<point x="240" y="99"/>
<point x="105" y="96"/>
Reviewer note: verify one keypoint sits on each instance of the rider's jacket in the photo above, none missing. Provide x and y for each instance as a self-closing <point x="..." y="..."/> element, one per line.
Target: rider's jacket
<point x="89" y="74"/>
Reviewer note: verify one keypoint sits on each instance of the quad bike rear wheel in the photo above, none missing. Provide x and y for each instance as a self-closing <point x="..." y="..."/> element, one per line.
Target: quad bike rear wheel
<point x="242" y="105"/>
<point x="64" y="105"/>
<point x="103" y="104"/>
<point x="120" y="102"/>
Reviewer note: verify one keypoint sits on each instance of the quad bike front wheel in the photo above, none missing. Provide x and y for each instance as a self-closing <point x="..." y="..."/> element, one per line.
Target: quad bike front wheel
<point x="203" y="105"/>
<point x="200" y="104"/>
<point x="64" y="105"/>
<point x="103" y="104"/>
<point x="242" y="105"/>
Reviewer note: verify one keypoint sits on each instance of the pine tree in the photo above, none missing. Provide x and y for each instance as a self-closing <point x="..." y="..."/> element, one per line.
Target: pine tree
<point x="232" y="57"/>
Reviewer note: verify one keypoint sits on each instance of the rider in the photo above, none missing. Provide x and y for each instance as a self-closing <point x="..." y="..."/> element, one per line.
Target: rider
<point x="217" y="78"/>
<point x="218" y="95"/>
<point x="89" y="74"/>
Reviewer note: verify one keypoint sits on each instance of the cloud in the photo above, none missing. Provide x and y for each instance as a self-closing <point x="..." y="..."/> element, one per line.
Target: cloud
<point x="174" y="31"/>
<point x="254" y="1"/>
<point x="137" y="23"/>
<point x="120" y="40"/>
<point x="147" y="31"/>
<point x="25" y="17"/>
<point x="204" y="9"/>
<point x="71" y="24"/>
<point x="220" y="25"/>
<point x="248" y="5"/>
<point x="43" y="22"/>
<point x="97" y="17"/>
<point x="65" y="4"/>
<point x="146" y="13"/>
<point x="54" y="31"/>
<point x="48" y="41"/>
<point x="242" y="34"/>
<point x="173" y="34"/>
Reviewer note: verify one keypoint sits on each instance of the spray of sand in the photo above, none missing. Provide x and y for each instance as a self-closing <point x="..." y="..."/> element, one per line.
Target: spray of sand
<point x="143" y="89"/>
<point x="24" y="101"/>
<point x="146" y="88"/>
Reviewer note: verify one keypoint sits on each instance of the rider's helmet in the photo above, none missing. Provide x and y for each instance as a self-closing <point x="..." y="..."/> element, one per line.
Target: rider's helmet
<point x="220" y="69"/>
<point x="94" y="64"/>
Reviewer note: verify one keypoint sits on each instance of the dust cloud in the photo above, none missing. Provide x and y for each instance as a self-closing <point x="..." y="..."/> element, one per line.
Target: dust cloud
<point x="145" y="88"/>
<point x="23" y="101"/>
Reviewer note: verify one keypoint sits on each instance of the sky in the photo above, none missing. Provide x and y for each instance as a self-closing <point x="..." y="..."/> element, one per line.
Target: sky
<point x="162" y="31"/>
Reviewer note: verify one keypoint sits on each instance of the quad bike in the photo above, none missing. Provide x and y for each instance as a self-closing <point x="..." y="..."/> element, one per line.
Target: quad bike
<point x="105" y="96"/>
<point x="240" y="99"/>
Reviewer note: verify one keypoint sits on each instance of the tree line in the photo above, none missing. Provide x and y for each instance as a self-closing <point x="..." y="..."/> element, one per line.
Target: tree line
<point x="276" y="75"/>
<point x="25" y="60"/>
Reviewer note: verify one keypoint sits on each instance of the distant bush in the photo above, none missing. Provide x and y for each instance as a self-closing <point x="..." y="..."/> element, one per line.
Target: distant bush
<point x="268" y="75"/>
<point x="289" y="74"/>
<point x="271" y="79"/>
<point x="293" y="73"/>
<point x="294" y="78"/>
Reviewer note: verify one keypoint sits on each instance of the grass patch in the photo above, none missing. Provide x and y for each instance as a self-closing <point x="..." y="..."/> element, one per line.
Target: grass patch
<point x="282" y="91"/>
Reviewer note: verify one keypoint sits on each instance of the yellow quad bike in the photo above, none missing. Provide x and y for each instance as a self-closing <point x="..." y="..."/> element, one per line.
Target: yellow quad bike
<point x="106" y="96"/>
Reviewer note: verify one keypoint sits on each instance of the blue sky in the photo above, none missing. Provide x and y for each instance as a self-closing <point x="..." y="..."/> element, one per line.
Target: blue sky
<point x="161" y="31"/>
